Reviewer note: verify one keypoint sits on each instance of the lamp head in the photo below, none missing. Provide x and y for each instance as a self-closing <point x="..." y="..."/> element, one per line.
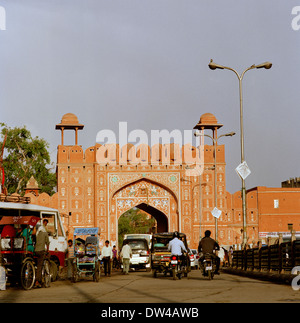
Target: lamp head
<point x="213" y="65"/>
<point x="266" y="65"/>
<point x="230" y="134"/>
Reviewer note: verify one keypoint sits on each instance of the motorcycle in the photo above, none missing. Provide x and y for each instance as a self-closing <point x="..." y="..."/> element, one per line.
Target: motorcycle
<point x="208" y="266"/>
<point x="176" y="267"/>
<point x="180" y="265"/>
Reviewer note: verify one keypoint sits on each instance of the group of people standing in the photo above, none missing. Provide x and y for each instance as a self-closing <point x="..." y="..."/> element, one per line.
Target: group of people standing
<point x="110" y="255"/>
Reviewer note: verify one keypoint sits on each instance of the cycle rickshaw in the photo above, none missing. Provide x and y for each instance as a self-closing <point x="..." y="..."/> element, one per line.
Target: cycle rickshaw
<point x="87" y="252"/>
<point x="17" y="252"/>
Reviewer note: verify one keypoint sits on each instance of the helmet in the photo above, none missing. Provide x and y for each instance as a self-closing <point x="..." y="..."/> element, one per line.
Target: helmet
<point x="176" y="234"/>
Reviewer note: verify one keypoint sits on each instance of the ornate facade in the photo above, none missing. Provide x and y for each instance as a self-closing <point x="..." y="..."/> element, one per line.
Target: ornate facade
<point x="98" y="193"/>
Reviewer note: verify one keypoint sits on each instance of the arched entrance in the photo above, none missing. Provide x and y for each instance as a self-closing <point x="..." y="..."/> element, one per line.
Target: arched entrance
<point x="160" y="217"/>
<point x="141" y="219"/>
<point x="149" y="196"/>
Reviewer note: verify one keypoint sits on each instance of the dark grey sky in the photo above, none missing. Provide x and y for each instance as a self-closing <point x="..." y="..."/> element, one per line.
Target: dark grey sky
<point x="145" y="62"/>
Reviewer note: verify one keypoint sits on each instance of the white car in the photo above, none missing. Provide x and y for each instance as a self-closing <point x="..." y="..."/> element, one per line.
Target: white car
<point x="140" y="254"/>
<point x="194" y="258"/>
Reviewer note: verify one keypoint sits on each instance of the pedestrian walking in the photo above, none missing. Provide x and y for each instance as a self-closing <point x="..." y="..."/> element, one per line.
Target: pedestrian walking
<point x="42" y="242"/>
<point x="70" y="258"/>
<point x="115" y="257"/>
<point x="126" y="254"/>
<point x="107" y="255"/>
<point x="221" y="255"/>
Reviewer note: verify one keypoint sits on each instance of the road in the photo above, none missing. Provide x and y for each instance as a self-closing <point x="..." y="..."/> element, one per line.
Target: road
<point x="141" y="287"/>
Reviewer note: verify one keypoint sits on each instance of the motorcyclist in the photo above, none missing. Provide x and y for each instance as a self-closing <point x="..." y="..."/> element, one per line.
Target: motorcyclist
<point x="176" y="246"/>
<point x="208" y="245"/>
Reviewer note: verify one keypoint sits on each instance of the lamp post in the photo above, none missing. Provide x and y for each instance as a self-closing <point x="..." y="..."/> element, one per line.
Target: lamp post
<point x="267" y="65"/>
<point x="215" y="140"/>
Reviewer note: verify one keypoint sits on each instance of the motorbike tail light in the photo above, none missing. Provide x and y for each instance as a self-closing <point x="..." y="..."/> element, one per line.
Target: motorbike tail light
<point x="191" y="256"/>
<point x="174" y="257"/>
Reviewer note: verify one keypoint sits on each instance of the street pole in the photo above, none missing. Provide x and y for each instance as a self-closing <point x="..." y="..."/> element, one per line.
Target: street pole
<point x="266" y="65"/>
<point x="244" y="207"/>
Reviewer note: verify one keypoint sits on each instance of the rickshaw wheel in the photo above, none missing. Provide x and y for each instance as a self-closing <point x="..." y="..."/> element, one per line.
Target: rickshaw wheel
<point x="46" y="273"/>
<point x="154" y="273"/>
<point x="53" y="270"/>
<point x="97" y="272"/>
<point x="27" y="274"/>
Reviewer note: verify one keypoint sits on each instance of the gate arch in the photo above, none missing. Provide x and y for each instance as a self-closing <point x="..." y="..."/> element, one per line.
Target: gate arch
<point x="160" y="217"/>
<point x="151" y="197"/>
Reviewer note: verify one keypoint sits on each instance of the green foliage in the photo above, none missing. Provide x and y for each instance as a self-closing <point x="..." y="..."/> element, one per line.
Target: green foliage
<point x="134" y="221"/>
<point x="24" y="157"/>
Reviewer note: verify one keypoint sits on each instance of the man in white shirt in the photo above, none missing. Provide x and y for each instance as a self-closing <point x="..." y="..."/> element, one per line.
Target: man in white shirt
<point x="107" y="255"/>
<point x="126" y="254"/>
<point x="176" y="246"/>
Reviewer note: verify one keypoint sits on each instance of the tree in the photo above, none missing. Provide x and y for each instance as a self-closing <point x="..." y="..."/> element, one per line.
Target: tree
<point x="24" y="157"/>
<point x="134" y="221"/>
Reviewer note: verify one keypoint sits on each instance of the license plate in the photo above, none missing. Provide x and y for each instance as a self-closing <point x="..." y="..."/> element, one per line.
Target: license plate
<point x="174" y="262"/>
<point x="209" y="268"/>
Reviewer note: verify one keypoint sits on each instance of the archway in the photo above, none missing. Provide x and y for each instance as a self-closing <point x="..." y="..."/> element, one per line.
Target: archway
<point x="148" y="196"/>
<point x="141" y="219"/>
<point x="160" y="217"/>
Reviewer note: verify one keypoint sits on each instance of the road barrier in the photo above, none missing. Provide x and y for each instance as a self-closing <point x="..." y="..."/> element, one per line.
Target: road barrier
<point x="279" y="258"/>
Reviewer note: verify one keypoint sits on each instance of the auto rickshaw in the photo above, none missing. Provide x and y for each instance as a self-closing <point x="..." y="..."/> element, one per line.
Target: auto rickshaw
<point x="87" y="252"/>
<point x="161" y="261"/>
<point x="17" y="251"/>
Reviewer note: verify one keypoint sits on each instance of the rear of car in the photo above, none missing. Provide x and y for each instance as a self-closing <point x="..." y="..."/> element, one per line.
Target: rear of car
<point x="140" y="253"/>
<point x="194" y="258"/>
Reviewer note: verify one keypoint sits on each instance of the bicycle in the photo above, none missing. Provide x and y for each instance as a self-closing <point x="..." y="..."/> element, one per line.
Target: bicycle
<point x="28" y="272"/>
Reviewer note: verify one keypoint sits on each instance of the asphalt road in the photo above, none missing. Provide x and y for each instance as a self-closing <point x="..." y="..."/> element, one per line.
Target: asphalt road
<point x="141" y="287"/>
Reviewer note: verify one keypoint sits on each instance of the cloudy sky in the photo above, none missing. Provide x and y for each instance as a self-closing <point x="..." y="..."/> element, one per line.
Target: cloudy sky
<point x="145" y="62"/>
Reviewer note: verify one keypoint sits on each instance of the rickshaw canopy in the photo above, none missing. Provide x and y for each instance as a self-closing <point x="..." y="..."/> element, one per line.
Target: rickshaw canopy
<point x="168" y="236"/>
<point x="28" y="220"/>
<point x="85" y="231"/>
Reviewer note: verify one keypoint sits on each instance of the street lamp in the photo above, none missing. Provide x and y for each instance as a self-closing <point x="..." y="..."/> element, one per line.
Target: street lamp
<point x="230" y="134"/>
<point x="267" y="65"/>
